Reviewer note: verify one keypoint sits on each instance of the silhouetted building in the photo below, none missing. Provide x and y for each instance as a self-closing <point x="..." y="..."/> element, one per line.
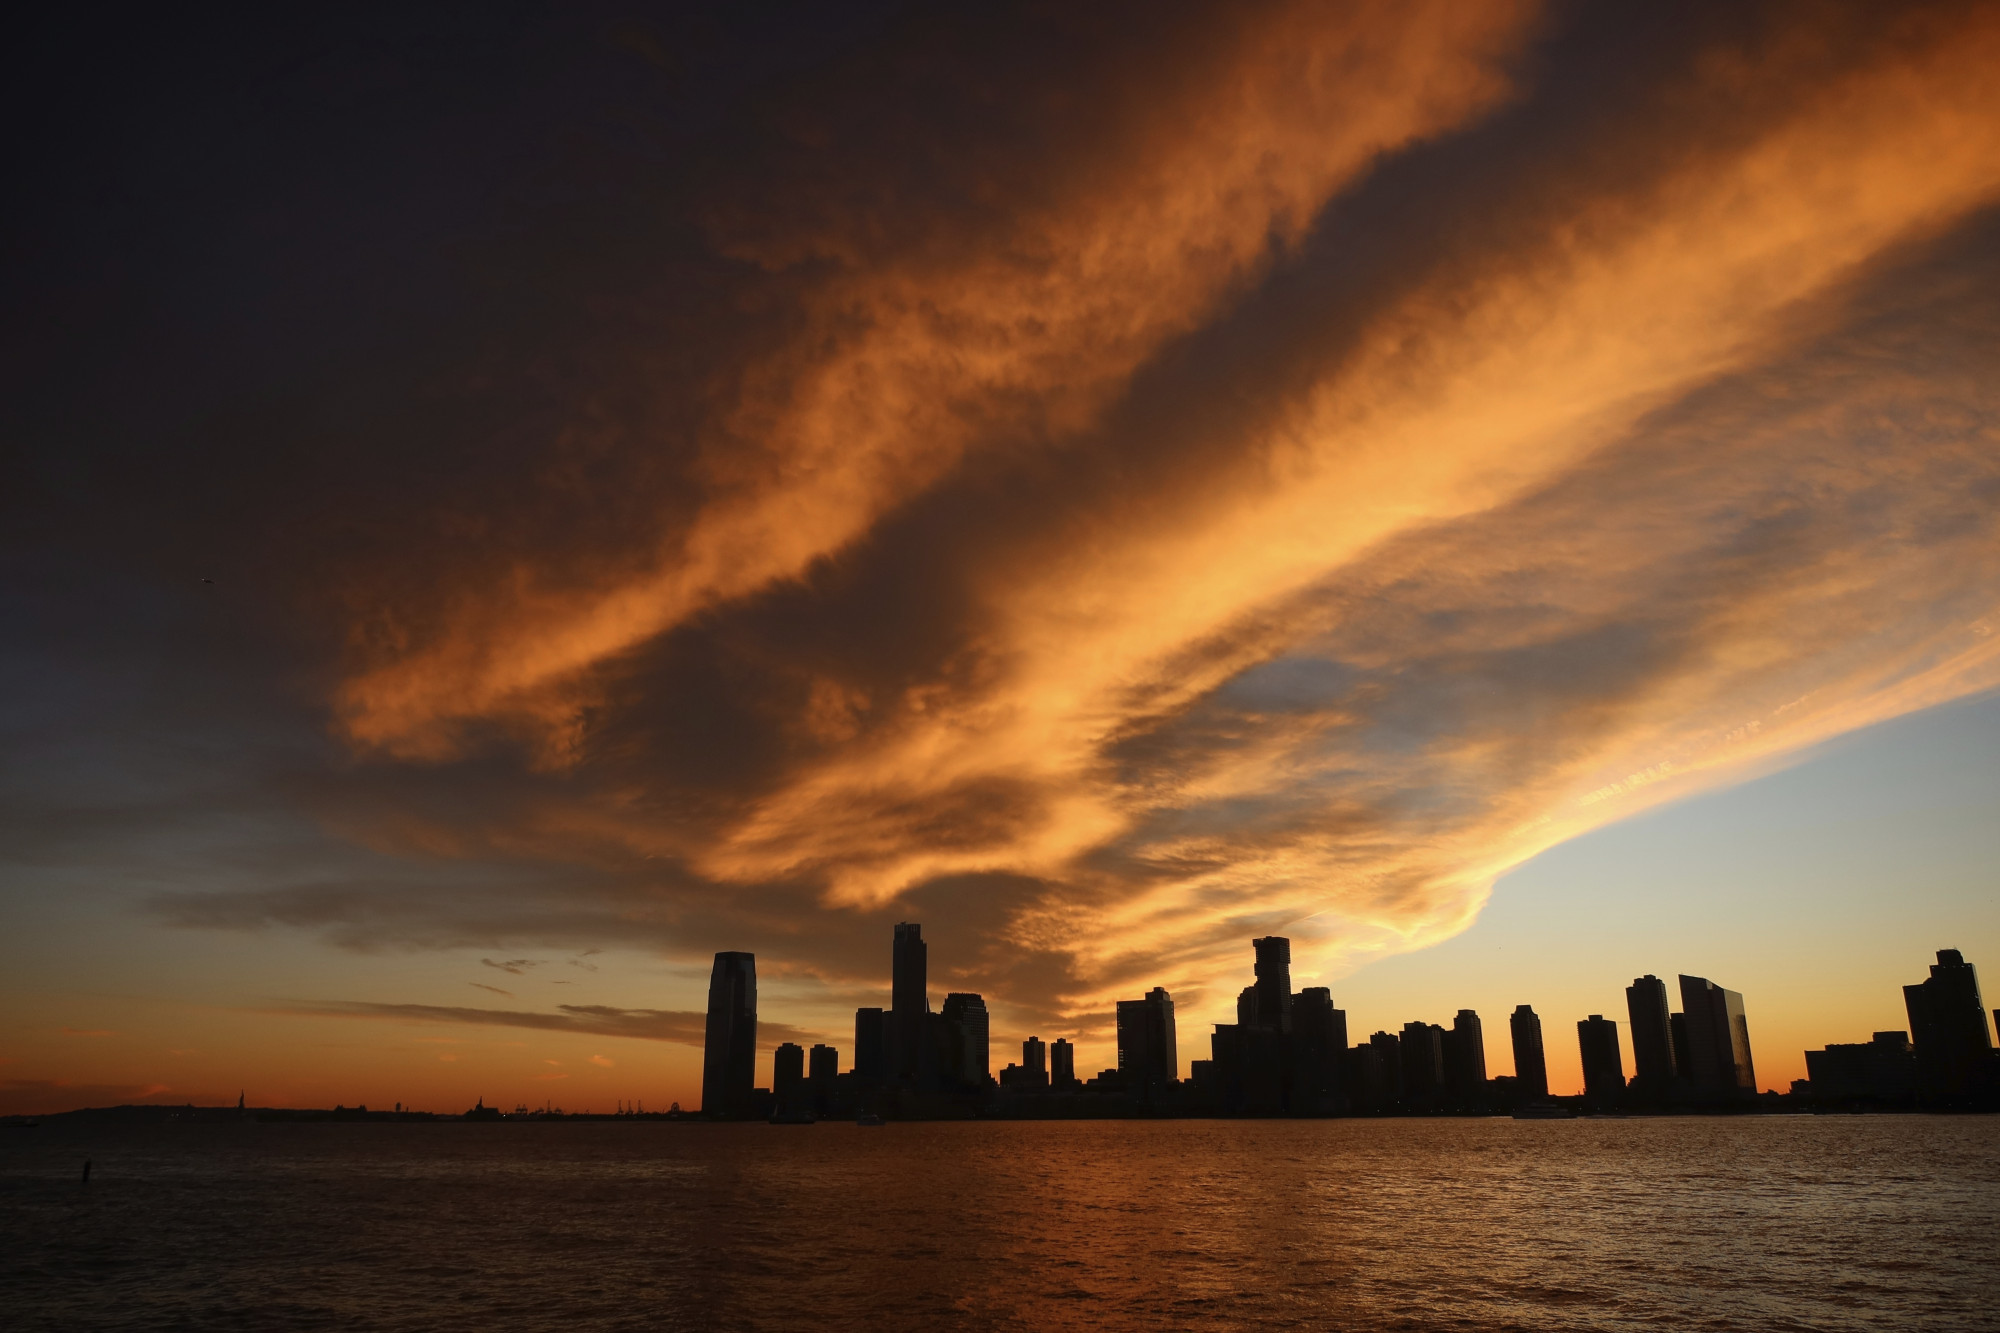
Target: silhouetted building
<point x="1148" y="1054"/>
<point x="1246" y="1007"/>
<point x="1319" y="1040"/>
<point x="1274" y="981"/>
<point x="1603" y="1066"/>
<point x="1032" y="1074"/>
<point x="871" y="1043"/>
<point x="1423" y="1066"/>
<point x="1465" y="1062"/>
<point x="1062" y="1064"/>
<point x="1361" y="1080"/>
<point x="823" y="1077"/>
<point x="788" y="1082"/>
<point x="729" y="1042"/>
<point x="1677" y="1027"/>
<point x="1653" y="1064"/>
<point x="1948" y="1027"/>
<point x="1881" y="1070"/>
<point x="966" y="1060"/>
<point x="1389" y="1051"/>
<point x="909" y="1003"/>
<point x="1718" y="1040"/>
<point x="1531" y="1066"/>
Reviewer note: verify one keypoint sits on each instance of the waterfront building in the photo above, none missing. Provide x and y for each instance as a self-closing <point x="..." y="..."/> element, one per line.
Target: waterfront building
<point x="871" y="1043"/>
<point x="1319" y="1040"/>
<point x="1465" y="1062"/>
<point x="1062" y="1064"/>
<point x="792" y="1100"/>
<point x="1603" y="1065"/>
<point x="1148" y="1052"/>
<point x="729" y="1041"/>
<point x="1274" y="982"/>
<point x="1531" y="1066"/>
<point x="1653" y="1066"/>
<point x="909" y="1003"/>
<point x="1883" y="1069"/>
<point x="823" y="1077"/>
<point x="1948" y="1027"/>
<point x="1718" y="1040"/>
<point x="1361" y="1079"/>
<point x="1422" y="1049"/>
<point x="967" y="1058"/>
<point x="1389" y="1051"/>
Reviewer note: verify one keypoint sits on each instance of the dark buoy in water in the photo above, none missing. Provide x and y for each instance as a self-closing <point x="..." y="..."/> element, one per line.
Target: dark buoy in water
<point x="86" y="1170"/>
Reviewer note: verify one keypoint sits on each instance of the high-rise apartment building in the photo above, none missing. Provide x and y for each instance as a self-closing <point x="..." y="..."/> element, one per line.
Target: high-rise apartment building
<point x="871" y="1043"/>
<point x="1603" y="1065"/>
<point x="968" y="1058"/>
<point x="823" y="1077"/>
<point x="729" y="1042"/>
<point x="1148" y="1050"/>
<point x="909" y="1003"/>
<point x="1531" y="1066"/>
<point x="1035" y="1057"/>
<point x="1653" y="1065"/>
<point x="1948" y="1026"/>
<point x="1319" y="1040"/>
<point x="1274" y="982"/>
<point x="1718" y="1040"/>
<point x="1062" y="1063"/>
<point x="1422" y="1050"/>
<point x="1465" y="1061"/>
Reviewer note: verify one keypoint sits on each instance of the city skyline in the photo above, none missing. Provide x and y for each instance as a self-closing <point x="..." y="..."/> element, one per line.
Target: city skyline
<point x="504" y="506"/>
<point x="1287" y="1053"/>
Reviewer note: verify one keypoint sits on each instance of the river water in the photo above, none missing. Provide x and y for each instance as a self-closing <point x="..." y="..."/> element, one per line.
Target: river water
<point x="1885" y="1222"/>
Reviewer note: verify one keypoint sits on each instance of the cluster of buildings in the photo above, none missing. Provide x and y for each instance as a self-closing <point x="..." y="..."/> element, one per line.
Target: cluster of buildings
<point x="1287" y="1053"/>
<point x="1947" y="1058"/>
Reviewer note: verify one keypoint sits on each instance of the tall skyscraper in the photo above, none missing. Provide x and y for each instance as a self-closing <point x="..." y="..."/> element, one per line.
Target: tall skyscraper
<point x="788" y="1067"/>
<point x="967" y="1033"/>
<point x="1948" y="1026"/>
<point x="1422" y="1049"/>
<point x="1653" y="1066"/>
<point x="1718" y="1039"/>
<point x="1035" y="1057"/>
<point x="1465" y="1061"/>
<point x="1062" y="1064"/>
<point x="823" y="1077"/>
<point x="788" y="1082"/>
<point x="1274" y="982"/>
<point x="1148" y="1049"/>
<point x="1531" y="1066"/>
<point x="1603" y="1065"/>
<point x="729" y="1042"/>
<point x="871" y="1043"/>
<point x="909" y="1002"/>
<point x="1319" y="1040"/>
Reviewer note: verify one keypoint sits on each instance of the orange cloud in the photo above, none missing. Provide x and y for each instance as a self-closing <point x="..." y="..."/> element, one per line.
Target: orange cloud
<point x="1280" y="500"/>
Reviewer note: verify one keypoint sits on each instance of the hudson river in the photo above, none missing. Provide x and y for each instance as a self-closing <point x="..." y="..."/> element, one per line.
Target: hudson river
<point x="1884" y="1222"/>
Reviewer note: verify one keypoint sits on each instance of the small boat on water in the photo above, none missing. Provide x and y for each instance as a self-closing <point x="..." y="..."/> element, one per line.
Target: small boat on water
<point x="1545" y="1111"/>
<point x="869" y="1118"/>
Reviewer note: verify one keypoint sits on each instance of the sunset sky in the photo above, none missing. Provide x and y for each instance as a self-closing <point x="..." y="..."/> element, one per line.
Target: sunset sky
<point x="498" y="506"/>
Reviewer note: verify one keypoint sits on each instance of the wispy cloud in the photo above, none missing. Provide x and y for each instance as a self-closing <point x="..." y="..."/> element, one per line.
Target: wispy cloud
<point x="672" y="1025"/>
<point x="1270" y="469"/>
